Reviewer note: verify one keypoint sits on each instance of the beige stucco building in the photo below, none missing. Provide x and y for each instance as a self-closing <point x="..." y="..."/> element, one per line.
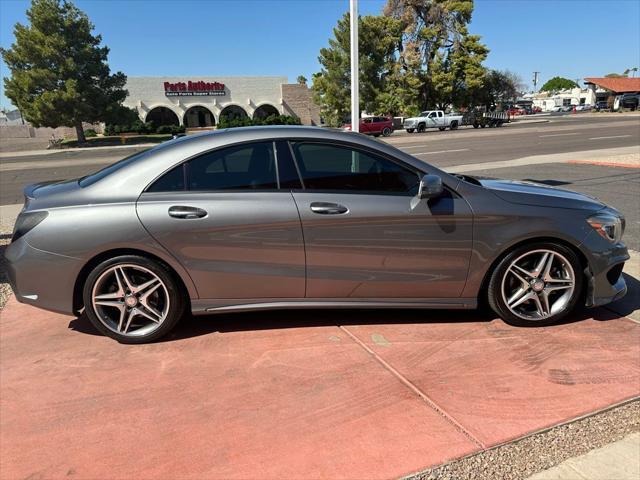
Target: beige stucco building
<point x="197" y="102"/>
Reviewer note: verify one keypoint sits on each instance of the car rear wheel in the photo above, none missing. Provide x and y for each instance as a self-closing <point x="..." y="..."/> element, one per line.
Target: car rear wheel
<point x="386" y="131"/>
<point x="536" y="285"/>
<point x="454" y="125"/>
<point x="133" y="299"/>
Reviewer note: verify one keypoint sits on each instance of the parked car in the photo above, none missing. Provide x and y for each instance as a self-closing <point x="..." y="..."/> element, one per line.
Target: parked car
<point x="301" y="217"/>
<point x="583" y="108"/>
<point x="517" y="110"/>
<point x="601" y="105"/>
<point x="537" y="109"/>
<point x="375" y="126"/>
<point x="432" y="119"/>
<point x="567" y="108"/>
<point x="630" y="100"/>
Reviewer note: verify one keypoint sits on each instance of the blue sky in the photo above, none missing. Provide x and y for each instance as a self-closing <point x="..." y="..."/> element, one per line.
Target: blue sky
<point x="570" y="38"/>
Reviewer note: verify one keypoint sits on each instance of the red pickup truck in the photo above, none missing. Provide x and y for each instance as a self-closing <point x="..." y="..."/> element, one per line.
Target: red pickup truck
<point x="375" y="126"/>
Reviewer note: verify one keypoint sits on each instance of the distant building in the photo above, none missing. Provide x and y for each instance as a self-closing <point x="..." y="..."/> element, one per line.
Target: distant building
<point x="608" y="89"/>
<point x="200" y="102"/>
<point x="11" y="117"/>
<point x="596" y="90"/>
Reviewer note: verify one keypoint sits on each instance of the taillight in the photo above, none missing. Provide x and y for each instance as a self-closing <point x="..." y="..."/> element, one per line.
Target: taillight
<point x="25" y="222"/>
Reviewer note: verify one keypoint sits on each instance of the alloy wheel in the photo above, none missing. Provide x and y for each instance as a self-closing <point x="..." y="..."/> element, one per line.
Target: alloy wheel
<point x="538" y="284"/>
<point x="130" y="300"/>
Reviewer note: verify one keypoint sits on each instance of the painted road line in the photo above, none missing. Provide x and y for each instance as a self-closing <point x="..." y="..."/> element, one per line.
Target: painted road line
<point x="613" y="136"/>
<point x="442" y="151"/>
<point x="558" y="135"/>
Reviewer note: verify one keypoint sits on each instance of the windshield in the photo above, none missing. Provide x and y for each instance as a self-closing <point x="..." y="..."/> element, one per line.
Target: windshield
<point x="100" y="174"/>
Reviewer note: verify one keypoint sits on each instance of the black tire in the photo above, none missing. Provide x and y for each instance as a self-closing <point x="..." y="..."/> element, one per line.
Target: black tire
<point x="421" y="128"/>
<point x="410" y="130"/>
<point x="386" y="131"/>
<point x="482" y="125"/>
<point x="476" y="125"/>
<point x="454" y="125"/>
<point x="494" y="290"/>
<point x="442" y="129"/>
<point x="175" y="310"/>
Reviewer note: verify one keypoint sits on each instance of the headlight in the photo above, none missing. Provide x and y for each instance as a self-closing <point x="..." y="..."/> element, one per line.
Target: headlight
<point x="608" y="226"/>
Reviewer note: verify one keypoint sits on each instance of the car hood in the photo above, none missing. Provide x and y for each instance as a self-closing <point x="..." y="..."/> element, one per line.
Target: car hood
<point x="530" y="193"/>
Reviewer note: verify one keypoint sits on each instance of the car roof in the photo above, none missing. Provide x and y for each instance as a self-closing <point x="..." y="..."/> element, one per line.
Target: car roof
<point x="135" y="176"/>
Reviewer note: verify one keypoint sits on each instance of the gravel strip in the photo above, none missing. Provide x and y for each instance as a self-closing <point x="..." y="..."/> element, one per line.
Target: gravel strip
<point x="5" y="289"/>
<point x="538" y="452"/>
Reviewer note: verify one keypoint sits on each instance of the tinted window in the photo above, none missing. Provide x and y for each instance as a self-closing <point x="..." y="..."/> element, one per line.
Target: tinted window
<point x="330" y="167"/>
<point x="172" y="181"/>
<point x="244" y="167"/>
<point x="100" y="174"/>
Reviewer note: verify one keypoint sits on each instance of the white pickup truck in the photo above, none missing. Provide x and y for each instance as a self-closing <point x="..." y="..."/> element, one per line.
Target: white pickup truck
<point x="432" y="119"/>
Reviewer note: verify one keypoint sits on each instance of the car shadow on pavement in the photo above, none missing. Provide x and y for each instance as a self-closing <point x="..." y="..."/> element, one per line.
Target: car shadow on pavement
<point x="195" y="326"/>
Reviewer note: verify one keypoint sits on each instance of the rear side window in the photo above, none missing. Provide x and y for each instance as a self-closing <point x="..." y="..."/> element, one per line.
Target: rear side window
<point x="332" y="167"/>
<point x="172" y="181"/>
<point x="243" y="167"/>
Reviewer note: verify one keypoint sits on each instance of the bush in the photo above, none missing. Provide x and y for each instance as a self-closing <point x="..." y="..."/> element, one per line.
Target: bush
<point x="90" y="132"/>
<point x="165" y="129"/>
<point x="248" y="122"/>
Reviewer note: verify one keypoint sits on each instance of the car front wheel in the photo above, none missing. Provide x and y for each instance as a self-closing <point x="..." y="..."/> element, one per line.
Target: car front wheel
<point x="133" y="299"/>
<point x="536" y="285"/>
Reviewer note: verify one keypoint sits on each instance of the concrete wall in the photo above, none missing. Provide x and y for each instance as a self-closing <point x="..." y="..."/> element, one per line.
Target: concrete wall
<point x="27" y="131"/>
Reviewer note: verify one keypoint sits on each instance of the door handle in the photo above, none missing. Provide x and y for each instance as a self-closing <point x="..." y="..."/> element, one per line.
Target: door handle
<point x="324" y="208"/>
<point x="180" y="211"/>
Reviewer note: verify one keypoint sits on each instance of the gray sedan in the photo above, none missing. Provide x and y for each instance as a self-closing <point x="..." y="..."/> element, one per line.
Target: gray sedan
<point x="299" y="217"/>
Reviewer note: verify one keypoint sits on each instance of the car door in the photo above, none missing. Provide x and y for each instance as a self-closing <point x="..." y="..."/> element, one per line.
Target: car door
<point x="441" y="120"/>
<point x="432" y="120"/>
<point x="366" y="125"/>
<point x="367" y="235"/>
<point x="224" y="216"/>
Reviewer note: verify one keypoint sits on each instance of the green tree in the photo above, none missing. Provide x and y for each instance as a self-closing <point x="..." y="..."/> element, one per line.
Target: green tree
<point x="377" y="43"/>
<point x="558" y="83"/>
<point x="59" y="71"/>
<point x="499" y="86"/>
<point x="302" y="80"/>
<point x="436" y="51"/>
<point x="617" y="75"/>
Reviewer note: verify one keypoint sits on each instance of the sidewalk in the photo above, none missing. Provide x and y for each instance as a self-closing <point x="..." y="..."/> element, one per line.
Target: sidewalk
<point x="619" y="460"/>
<point x="31" y="153"/>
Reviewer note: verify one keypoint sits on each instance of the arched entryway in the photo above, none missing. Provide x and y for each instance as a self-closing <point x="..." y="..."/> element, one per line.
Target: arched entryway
<point x="198" y="116"/>
<point x="162" y="116"/>
<point x="264" y="111"/>
<point x="233" y="112"/>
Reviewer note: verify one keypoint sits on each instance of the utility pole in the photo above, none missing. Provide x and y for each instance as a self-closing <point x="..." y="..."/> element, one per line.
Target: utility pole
<point x="535" y="80"/>
<point x="355" y="96"/>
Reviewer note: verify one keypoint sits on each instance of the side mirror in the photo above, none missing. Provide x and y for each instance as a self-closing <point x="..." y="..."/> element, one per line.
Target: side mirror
<point x="430" y="186"/>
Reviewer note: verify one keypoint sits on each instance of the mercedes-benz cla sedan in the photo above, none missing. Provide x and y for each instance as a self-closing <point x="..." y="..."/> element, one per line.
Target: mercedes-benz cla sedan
<point x="299" y="217"/>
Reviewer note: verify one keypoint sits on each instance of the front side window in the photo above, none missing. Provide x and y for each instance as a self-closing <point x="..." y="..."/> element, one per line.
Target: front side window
<point x="333" y="167"/>
<point x="243" y="167"/>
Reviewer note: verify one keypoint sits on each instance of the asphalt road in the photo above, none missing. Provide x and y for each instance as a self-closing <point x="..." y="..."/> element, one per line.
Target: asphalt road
<point x="619" y="187"/>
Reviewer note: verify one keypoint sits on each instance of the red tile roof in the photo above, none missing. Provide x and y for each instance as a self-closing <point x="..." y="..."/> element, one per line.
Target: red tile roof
<point x="618" y="85"/>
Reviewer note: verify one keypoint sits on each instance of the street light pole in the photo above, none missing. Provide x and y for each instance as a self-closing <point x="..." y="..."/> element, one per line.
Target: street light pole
<point x="355" y="96"/>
